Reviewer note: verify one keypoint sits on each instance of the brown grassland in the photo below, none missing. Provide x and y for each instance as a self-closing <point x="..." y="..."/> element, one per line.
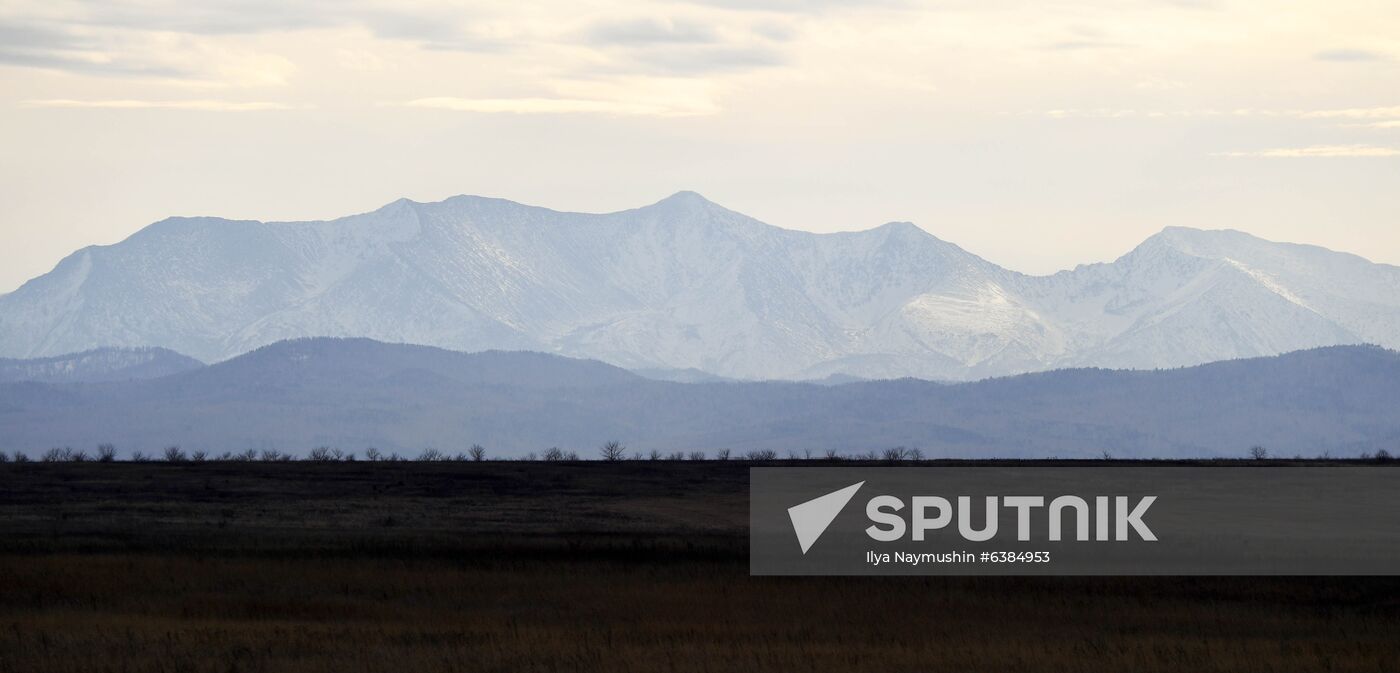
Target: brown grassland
<point x="632" y="566"/>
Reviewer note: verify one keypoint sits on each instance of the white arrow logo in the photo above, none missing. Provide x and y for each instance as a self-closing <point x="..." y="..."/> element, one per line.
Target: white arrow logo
<point x="810" y="519"/>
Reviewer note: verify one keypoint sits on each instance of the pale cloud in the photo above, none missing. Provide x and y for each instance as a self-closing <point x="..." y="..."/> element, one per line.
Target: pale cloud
<point x="705" y="60"/>
<point x="552" y="106"/>
<point x="650" y="31"/>
<point x="1354" y="113"/>
<point x="1084" y="44"/>
<point x="198" y="40"/>
<point x="1158" y="84"/>
<point x="1389" y="117"/>
<point x="1349" y="55"/>
<point x="203" y="41"/>
<point x="359" y="60"/>
<point x="60" y="47"/>
<point x="1318" y="151"/>
<point x="80" y="49"/>
<point x="682" y="46"/>
<point x="200" y="105"/>
<point x="424" y="21"/>
<point x="800" y="6"/>
<point x="1124" y="113"/>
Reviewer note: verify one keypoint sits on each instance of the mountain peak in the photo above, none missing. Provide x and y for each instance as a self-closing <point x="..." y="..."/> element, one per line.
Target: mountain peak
<point x="1208" y="243"/>
<point x="900" y="227"/>
<point x="686" y="196"/>
<point x="1217" y="236"/>
<point x="684" y="200"/>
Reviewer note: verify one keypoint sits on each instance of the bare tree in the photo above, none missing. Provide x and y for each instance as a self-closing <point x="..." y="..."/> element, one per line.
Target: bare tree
<point x="106" y="453"/>
<point x="173" y="454"/>
<point x="63" y="455"/>
<point x="1258" y="453"/>
<point x="654" y="455"/>
<point x="897" y="453"/>
<point x="612" y="451"/>
<point x="430" y="455"/>
<point x="373" y="455"/>
<point x="139" y="457"/>
<point x="697" y="455"/>
<point x="320" y="454"/>
<point x="722" y="454"/>
<point x="762" y="454"/>
<point x="477" y="452"/>
<point x="21" y="457"/>
<point x="4" y="457"/>
<point x="553" y="454"/>
<point x="198" y="456"/>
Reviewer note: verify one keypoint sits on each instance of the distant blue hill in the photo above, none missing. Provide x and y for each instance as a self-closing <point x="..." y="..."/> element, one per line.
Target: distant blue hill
<point x="356" y="393"/>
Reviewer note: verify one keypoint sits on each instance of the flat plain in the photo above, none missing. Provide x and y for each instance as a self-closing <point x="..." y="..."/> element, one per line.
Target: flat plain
<point x="592" y="566"/>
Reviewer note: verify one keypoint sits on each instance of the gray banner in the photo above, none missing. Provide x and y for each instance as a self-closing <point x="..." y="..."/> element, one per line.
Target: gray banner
<point x="1132" y="520"/>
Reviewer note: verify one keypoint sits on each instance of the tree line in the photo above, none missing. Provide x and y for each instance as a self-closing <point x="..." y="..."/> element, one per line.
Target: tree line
<point x="612" y="451"/>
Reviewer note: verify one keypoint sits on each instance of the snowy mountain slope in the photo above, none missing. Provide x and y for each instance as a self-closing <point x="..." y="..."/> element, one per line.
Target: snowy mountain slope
<point x="684" y="284"/>
<point x="1187" y="296"/>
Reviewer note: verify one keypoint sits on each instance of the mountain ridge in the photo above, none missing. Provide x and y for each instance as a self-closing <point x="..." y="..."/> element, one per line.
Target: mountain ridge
<point x="357" y="393"/>
<point x="686" y="284"/>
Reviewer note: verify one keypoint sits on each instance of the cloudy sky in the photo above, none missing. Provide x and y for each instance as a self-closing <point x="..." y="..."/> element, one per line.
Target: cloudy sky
<point x="1037" y="133"/>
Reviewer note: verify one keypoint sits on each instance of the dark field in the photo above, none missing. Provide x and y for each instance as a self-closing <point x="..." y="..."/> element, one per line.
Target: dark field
<point x="634" y="566"/>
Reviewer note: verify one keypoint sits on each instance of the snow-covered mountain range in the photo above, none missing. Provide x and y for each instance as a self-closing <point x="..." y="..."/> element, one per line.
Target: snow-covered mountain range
<point x="684" y="284"/>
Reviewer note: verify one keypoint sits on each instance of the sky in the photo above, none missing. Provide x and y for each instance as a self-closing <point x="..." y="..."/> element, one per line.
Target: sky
<point x="1039" y="134"/>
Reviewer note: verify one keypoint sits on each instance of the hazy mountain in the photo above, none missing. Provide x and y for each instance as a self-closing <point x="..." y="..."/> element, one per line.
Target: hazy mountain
<point x="684" y="284"/>
<point x="356" y="393"/>
<point x="679" y="375"/>
<point x="102" y="364"/>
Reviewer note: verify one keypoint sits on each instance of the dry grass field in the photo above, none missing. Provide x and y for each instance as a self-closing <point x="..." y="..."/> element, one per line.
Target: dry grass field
<point x="570" y="567"/>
